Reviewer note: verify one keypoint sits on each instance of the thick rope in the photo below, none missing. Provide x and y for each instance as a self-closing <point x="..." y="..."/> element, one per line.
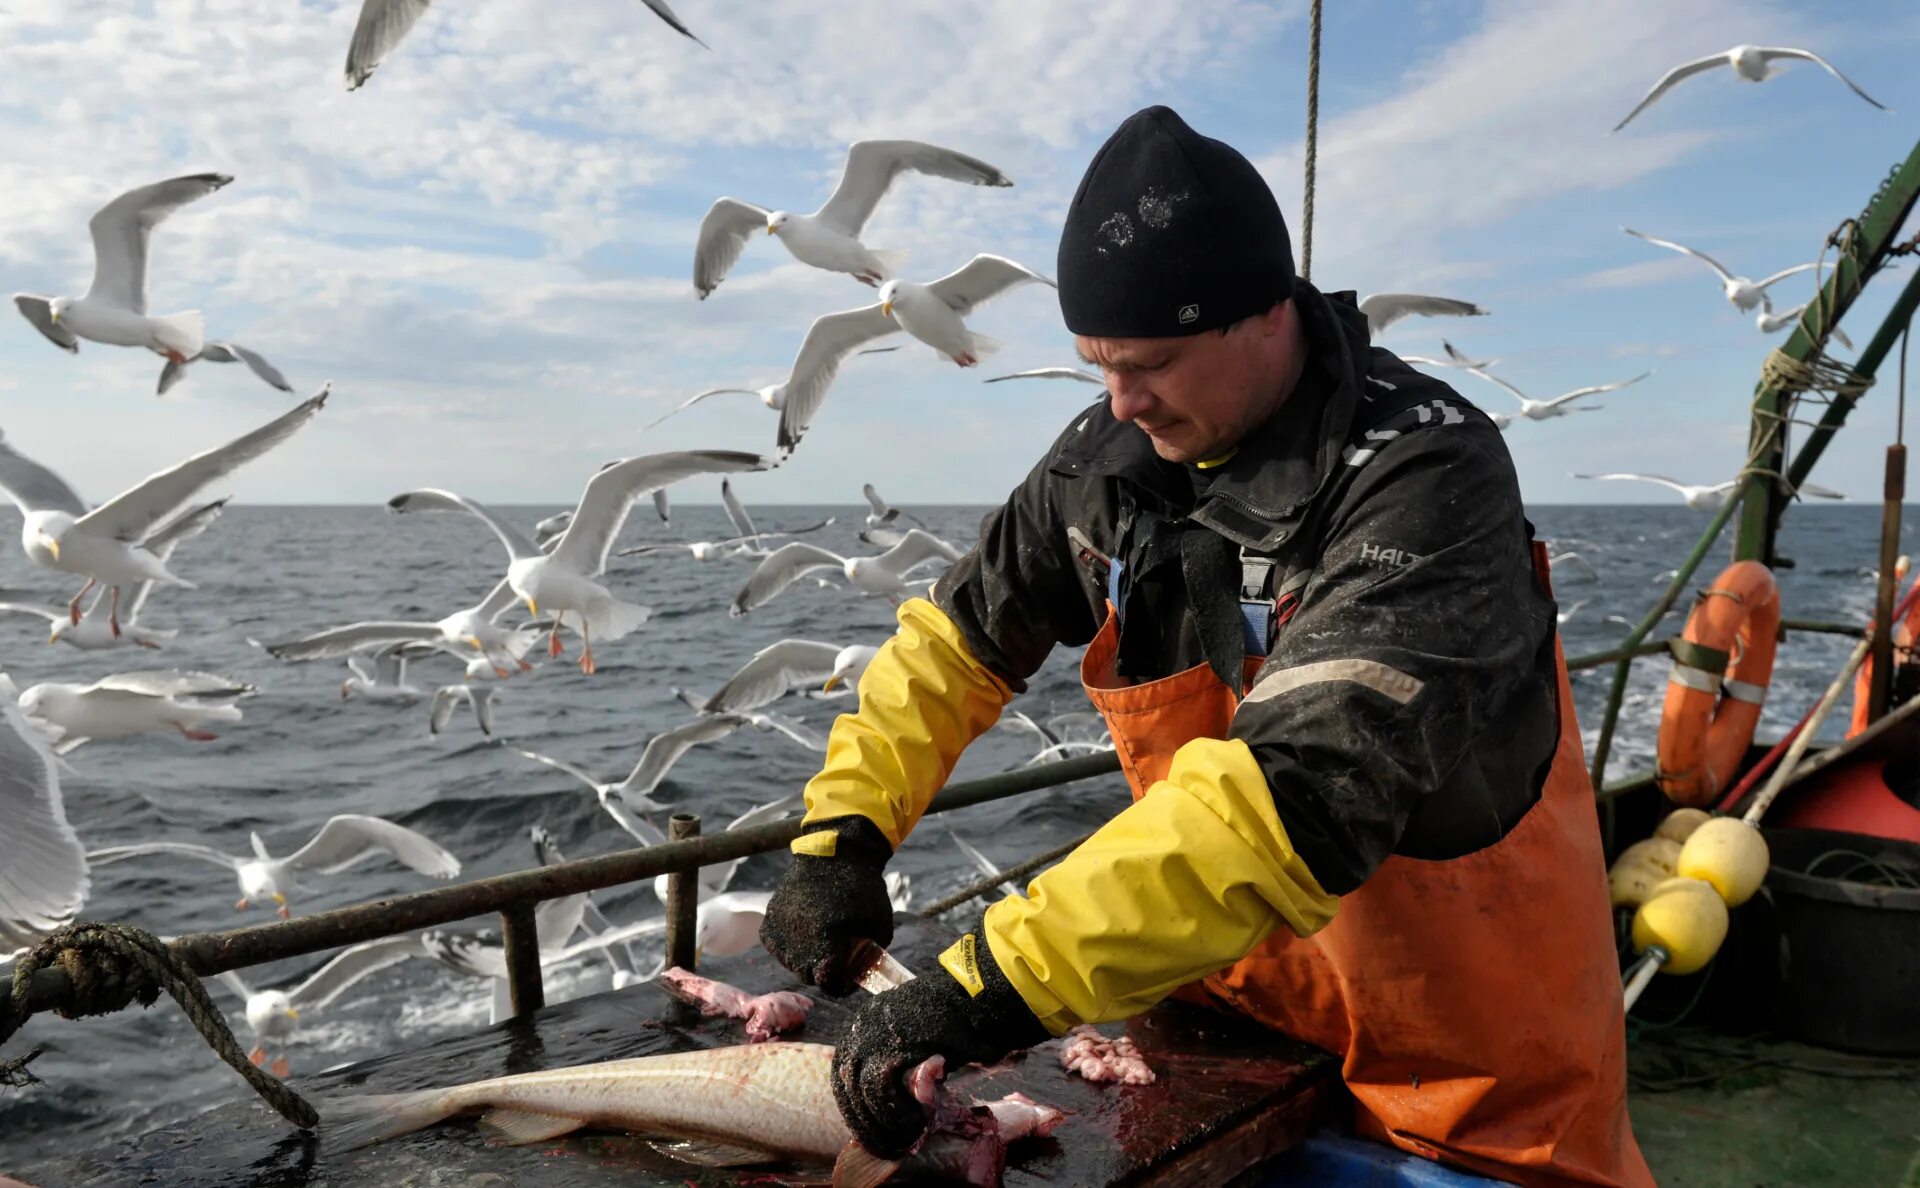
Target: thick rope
<point x="113" y="965"/>
<point x="1820" y="373"/>
<point x="1313" y="139"/>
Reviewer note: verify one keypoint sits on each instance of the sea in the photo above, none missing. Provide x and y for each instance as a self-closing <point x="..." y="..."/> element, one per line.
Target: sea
<point x="303" y="754"/>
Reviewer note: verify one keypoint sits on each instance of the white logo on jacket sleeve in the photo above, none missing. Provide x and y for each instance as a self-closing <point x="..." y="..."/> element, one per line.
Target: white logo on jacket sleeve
<point x="1355" y="456"/>
<point x="1446" y="412"/>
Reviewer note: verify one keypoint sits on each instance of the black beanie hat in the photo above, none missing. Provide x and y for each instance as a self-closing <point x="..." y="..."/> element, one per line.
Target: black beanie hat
<point x="1170" y="233"/>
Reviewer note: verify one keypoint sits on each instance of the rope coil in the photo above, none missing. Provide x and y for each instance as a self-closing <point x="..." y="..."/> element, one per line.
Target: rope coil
<point x="1820" y="373"/>
<point x="112" y="966"/>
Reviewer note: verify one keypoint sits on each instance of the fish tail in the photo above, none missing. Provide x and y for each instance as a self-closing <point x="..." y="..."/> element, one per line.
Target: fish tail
<point x="348" y="1123"/>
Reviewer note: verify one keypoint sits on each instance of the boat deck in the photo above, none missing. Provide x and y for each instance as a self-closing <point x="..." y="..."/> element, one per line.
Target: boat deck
<point x="1228" y="1096"/>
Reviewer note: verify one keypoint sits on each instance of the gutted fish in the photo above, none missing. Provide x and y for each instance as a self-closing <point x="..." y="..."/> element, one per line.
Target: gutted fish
<point x="766" y="1015"/>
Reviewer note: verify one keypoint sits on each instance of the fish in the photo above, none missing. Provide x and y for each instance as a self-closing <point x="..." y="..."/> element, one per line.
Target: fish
<point x="726" y="1107"/>
<point x="766" y="1015"/>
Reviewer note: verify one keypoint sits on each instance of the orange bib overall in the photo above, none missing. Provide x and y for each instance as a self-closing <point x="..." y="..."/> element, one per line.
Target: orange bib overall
<point x="1476" y="1001"/>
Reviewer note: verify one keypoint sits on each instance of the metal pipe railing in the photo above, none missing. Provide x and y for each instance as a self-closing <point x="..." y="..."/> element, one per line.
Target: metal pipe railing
<point x="208" y="953"/>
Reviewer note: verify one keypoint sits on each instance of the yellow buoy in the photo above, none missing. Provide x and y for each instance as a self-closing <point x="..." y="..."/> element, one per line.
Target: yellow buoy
<point x="1730" y="854"/>
<point x="1687" y="918"/>
<point x="1640" y="868"/>
<point x="1681" y="823"/>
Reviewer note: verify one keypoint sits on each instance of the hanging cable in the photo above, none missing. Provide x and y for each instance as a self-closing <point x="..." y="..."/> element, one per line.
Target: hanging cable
<point x="1313" y="136"/>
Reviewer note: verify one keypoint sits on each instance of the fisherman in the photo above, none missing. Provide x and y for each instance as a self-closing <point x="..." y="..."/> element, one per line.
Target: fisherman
<point x="1320" y="632"/>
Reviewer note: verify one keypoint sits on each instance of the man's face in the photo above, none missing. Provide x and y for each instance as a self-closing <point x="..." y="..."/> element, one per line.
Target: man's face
<point x="1196" y="396"/>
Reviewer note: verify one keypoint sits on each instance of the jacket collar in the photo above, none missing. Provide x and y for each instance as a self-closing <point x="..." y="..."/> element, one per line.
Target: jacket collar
<point x="1258" y="497"/>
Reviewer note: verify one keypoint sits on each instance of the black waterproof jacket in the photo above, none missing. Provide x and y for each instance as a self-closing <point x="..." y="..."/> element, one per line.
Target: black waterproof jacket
<point x="1408" y="702"/>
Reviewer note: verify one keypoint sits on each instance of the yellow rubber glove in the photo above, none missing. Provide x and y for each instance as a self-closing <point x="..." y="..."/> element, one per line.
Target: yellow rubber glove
<point x="923" y="699"/>
<point x="1181" y="884"/>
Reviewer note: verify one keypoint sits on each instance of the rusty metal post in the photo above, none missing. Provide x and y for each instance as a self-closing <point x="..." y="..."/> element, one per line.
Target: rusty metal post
<point x="1880" y="689"/>
<point x="683" y="898"/>
<point x="520" y="933"/>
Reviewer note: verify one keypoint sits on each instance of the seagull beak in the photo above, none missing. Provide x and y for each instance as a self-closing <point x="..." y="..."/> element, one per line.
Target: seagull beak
<point x="293" y="1014"/>
<point x="533" y="608"/>
<point x="53" y="637"/>
<point x="53" y="315"/>
<point x="769" y="232"/>
<point x="475" y="640"/>
<point x="53" y="546"/>
<point x="279" y="899"/>
<point x="886" y="307"/>
<point x="831" y="682"/>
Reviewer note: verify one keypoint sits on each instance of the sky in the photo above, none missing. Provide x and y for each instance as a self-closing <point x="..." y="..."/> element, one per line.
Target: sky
<point x="488" y="249"/>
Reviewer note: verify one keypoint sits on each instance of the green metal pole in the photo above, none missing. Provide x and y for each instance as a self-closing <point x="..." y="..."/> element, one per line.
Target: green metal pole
<point x="1870" y="359"/>
<point x="1885" y="213"/>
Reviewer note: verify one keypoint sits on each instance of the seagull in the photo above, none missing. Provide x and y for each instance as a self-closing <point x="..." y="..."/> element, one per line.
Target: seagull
<point x="774" y="396"/>
<point x="91" y="633"/>
<point x="746" y="544"/>
<point x="781" y="667"/>
<point x="1053" y="747"/>
<point x="346" y="839"/>
<point x="761" y="719"/>
<point x="621" y="955"/>
<point x="274" y="1015"/>
<point x="58" y="532"/>
<point x="1453" y="359"/>
<point x="634" y="794"/>
<point x="114" y="310"/>
<point x="1697" y="498"/>
<point x="1750" y="63"/>
<point x="43" y="867"/>
<point x="880" y="513"/>
<point x="223" y="352"/>
<point x="1772" y="323"/>
<point x="384" y="678"/>
<point x="383" y="24"/>
<point x="934" y="313"/>
<point x="1571" y="558"/>
<point x="870" y="575"/>
<point x="1563" y="616"/>
<point x="502" y="648"/>
<point x="1559" y="406"/>
<point x="447" y="697"/>
<point x="1059" y="373"/>
<point x="829" y="238"/>
<point x="480" y="954"/>
<point x="563" y="579"/>
<point x="129" y="703"/>
<point x="1384" y="309"/>
<point x="1744" y="293"/>
<point x="548" y="531"/>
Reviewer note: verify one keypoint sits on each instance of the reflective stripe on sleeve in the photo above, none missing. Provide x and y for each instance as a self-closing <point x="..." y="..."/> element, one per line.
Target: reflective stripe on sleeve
<point x="1383" y="679"/>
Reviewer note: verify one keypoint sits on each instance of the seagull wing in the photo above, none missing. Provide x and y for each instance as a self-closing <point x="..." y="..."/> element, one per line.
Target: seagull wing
<point x="122" y="227"/>
<point x="381" y="27"/>
<point x="1639" y="478"/>
<point x="354" y="962"/>
<point x="43" y="867"/>
<point x="697" y="397"/>
<point x="981" y="279"/>
<point x="182" y="528"/>
<point x="1667" y="81"/>
<point x="881" y="511"/>
<point x="562" y="765"/>
<point x="985" y="864"/>
<point x="661" y="10"/>
<point x="917" y="548"/>
<point x="468" y="953"/>
<point x="1769" y="53"/>
<point x="1819" y="492"/>
<point x="610" y="494"/>
<point x="132" y="514"/>
<point x="771" y="673"/>
<point x="1596" y="389"/>
<point x="355" y="637"/>
<point x="1384" y="309"/>
<point x="431" y="499"/>
<point x="33" y="487"/>
<point x="350" y="837"/>
<point x="793" y="728"/>
<point x="781" y="569"/>
<point x="1783" y="274"/>
<point x="1059" y="373"/>
<point x="1494" y="379"/>
<point x="39" y="311"/>
<point x="723" y="236"/>
<point x="173" y="682"/>
<point x="664" y="749"/>
<point x="440" y="712"/>
<point x="1684" y="250"/>
<point x="111" y="854"/>
<point x="873" y="164"/>
<point x="828" y="342"/>
<point x="233" y="352"/>
<point x="481" y="699"/>
<point x="742" y="522"/>
<point x="47" y="613"/>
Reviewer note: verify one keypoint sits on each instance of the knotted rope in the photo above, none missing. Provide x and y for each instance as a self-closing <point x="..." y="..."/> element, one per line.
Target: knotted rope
<point x="113" y="965"/>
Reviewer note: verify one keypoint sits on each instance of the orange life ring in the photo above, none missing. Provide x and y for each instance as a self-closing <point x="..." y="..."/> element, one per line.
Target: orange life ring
<point x="1718" y="683"/>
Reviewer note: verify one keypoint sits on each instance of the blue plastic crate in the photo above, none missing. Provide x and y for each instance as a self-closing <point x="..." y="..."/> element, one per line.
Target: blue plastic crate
<point x="1334" y="1161"/>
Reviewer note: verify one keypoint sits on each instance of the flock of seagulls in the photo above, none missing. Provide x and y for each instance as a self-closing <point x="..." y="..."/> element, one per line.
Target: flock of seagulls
<point x="557" y="571"/>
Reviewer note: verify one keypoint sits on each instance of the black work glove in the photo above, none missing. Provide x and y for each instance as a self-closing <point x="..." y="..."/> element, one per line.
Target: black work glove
<point x="825" y="907"/>
<point x="933" y="1015"/>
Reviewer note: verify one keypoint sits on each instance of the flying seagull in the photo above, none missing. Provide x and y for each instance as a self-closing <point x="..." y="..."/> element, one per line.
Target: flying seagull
<point x="114" y="310"/>
<point x="829" y="238"/>
<point x="1744" y="293"/>
<point x="1750" y="63"/>
<point x="1384" y="309"/>
<point x="223" y="352"/>
<point x="383" y="24"/>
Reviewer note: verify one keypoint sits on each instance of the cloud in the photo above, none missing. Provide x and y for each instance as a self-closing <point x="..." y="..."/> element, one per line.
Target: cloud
<point x="1634" y="276"/>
